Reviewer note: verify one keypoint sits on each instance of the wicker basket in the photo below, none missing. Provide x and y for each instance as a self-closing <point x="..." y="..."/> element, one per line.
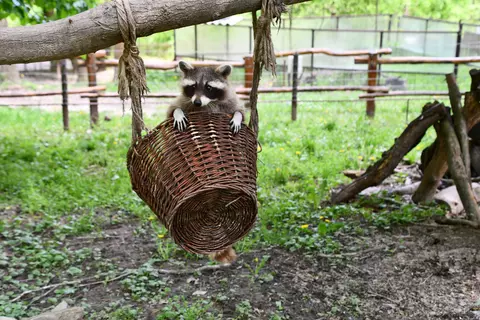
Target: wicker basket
<point x="201" y="183"/>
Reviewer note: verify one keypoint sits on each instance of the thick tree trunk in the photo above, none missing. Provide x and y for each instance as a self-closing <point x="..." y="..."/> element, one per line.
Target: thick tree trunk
<point x="98" y="28"/>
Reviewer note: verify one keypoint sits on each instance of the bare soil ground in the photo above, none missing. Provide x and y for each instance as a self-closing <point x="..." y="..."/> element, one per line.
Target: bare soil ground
<point x="412" y="272"/>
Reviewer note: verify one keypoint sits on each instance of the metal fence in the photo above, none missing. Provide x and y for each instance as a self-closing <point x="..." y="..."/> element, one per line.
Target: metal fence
<point x="406" y="35"/>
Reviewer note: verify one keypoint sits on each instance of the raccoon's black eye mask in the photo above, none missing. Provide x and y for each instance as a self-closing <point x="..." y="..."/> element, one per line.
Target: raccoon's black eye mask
<point x="189" y="90"/>
<point x="213" y="93"/>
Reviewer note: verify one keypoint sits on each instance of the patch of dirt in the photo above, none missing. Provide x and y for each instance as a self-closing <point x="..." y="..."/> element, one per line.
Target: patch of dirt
<point x="416" y="272"/>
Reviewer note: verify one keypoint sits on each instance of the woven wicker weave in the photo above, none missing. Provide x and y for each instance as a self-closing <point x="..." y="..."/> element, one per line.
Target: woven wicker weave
<point x="201" y="183"/>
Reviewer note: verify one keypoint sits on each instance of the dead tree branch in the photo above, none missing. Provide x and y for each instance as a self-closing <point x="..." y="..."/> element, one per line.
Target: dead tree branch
<point x="438" y="166"/>
<point x="459" y="121"/>
<point x="410" y="137"/>
<point x="458" y="172"/>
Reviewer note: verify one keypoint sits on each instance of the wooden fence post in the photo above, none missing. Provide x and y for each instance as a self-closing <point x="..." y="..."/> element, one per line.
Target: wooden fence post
<point x="63" y="71"/>
<point x="372" y="82"/>
<point x="92" y="82"/>
<point x="294" y="86"/>
<point x="248" y="71"/>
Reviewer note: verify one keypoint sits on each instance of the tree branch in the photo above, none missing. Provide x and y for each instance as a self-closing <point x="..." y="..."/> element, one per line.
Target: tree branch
<point x="409" y="138"/>
<point x="457" y="169"/>
<point x="459" y="121"/>
<point x="98" y="28"/>
<point x="437" y="167"/>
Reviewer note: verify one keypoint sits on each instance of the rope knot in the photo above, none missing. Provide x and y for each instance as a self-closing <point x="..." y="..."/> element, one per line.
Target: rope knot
<point x="132" y="78"/>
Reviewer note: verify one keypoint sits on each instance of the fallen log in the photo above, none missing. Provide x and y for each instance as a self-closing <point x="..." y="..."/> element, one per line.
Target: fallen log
<point x="384" y="167"/>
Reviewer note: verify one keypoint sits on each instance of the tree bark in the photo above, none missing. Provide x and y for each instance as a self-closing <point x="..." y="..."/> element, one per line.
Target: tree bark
<point x="438" y="166"/>
<point x="410" y="137"/>
<point x="98" y="28"/>
<point x="459" y="121"/>
<point x="11" y="73"/>
<point x="458" y="171"/>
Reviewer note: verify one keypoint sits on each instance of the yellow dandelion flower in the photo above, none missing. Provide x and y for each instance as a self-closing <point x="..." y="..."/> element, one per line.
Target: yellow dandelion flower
<point x="342" y="151"/>
<point x="114" y="142"/>
<point x="304" y="226"/>
<point x="278" y="169"/>
<point x="360" y="158"/>
<point x="322" y="217"/>
<point x="372" y="158"/>
<point x="297" y="153"/>
<point x="327" y="221"/>
<point x="151" y="218"/>
<point x="161" y="236"/>
<point x="281" y="149"/>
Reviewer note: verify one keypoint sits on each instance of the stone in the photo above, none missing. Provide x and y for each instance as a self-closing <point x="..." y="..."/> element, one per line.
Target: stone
<point x="75" y="313"/>
<point x="62" y="306"/>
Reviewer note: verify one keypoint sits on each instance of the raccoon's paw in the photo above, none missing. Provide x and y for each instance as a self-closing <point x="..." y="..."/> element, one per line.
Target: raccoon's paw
<point x="180" y="121"/>
<point x="236" y="122"/>
<point x="227" y="256"/>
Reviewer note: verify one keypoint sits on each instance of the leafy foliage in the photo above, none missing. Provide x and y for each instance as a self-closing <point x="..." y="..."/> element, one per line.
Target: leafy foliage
<point x="437" y="9"/>
<point x="38" y="11"/>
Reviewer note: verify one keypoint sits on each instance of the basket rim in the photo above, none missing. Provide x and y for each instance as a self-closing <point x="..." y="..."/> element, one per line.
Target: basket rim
<point x="168" y="120"/>
<point x="252" y="195"/>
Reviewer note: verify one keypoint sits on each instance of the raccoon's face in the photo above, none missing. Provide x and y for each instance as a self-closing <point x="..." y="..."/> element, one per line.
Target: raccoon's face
<point x="204" y="85"/>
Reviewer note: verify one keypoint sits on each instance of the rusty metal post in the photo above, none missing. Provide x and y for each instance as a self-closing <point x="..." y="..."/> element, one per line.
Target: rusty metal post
<point x="425" y="38"/>
<point x="248" y="71"/>
<point x="379" y="67"/>
<point x="458" y="47"/>
<point x="250" y="40"/>
<point x="174" y="44"/>
<point x="372" y="82"/>
<point x="294" y="86"/>
<point x="312" y="61"/>
<point x="196" y="42"/>
<point x="63" y="71"/>
<point x="92" y="82"/>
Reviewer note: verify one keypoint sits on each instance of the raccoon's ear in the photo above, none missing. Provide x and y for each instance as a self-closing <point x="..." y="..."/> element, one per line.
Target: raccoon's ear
<point x="224" y="70"/>
<point x="185" y="66"/>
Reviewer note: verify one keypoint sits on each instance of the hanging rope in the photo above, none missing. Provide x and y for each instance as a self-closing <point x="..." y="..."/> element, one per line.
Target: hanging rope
<point x="132" y="80"/>
<point x="263" y="55"/>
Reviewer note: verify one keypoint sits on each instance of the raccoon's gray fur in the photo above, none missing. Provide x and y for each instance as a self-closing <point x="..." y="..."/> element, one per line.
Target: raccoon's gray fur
<point x="206" y="89"/>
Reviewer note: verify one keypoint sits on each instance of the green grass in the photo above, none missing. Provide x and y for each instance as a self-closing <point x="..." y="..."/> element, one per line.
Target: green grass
<point x="73" y="183"/>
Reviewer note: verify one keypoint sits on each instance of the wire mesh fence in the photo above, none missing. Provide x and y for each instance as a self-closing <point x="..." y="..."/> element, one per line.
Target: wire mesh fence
<point x="405" y="35"/>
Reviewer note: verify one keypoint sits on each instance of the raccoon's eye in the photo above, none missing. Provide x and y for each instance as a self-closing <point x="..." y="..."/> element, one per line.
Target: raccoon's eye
<point x="208" y="87"/>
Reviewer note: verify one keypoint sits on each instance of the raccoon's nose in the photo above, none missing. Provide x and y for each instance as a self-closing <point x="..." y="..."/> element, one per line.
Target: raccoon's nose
<point x="197" y="102"/>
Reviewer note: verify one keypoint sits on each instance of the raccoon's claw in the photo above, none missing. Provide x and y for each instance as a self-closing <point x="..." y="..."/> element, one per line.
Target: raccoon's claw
<point x="180" y="122"/>
<point x="235" y="127"/>
<point x="236" y="122"/>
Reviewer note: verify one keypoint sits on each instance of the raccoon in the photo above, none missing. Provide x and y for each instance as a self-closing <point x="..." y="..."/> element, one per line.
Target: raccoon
<point x="206" y="89"/>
